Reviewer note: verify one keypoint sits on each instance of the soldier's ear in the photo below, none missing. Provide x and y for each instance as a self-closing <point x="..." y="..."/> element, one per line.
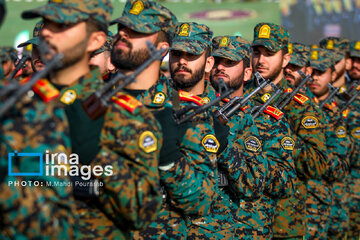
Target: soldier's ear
<point x="96" y="41"/>
<point x="333" y="76"/>
<point x="348" y="63"/>
<point x="286" y="60"/>
<point x="163" y="45"/>
<point x="247" y="73"/>
<point x="210" y="61"/>
<point x="308" y="70"/>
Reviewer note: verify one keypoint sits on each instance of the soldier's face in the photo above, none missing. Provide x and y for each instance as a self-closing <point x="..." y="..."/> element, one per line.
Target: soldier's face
<point x="231" y="71"/>
<point x="36" y="63"/>
<point x="8" y="67"/>
<point x="71" y="40"/>
<point x="354" y="71"/>
<point x="340" y="68"/>
<point x="320" y="80"/>
<point x="186" y="69"/>
<point x="268" y="64"/>
<point x="129" y="49"/>
<point x="292" y="75"/>
<point x="102" y="60"/>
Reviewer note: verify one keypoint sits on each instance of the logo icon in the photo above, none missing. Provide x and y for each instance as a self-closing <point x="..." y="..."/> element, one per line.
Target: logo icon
<point x="12" y="157"/>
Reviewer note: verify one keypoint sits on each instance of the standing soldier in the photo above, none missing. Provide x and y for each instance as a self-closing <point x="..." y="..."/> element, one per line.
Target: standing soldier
<point x="328" y="210"/>
<point x="232" y="62"/>
<point x="184" y="166"/>
<point x="125" y="138"/>
<point x="270" y="57"/>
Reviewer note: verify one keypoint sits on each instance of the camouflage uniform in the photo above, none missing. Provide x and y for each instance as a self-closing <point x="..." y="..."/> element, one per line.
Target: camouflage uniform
<point x="279" y="172"/>
<point x="339" y="149"/>
<point x="305" y="121"/>
<point x="127" y="138"/>
<point x="35" y="125"/>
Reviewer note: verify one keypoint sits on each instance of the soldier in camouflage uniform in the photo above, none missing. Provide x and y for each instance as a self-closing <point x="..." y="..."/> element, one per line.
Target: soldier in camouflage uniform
<point x="126" y="137"/>
<point x="334" y="200"/>
<point x="189" y="59"/>
<point x="274" y="132"/>
<point x="184" y="164"/>
<point x="270" y="48"/>
<point x="7" y="64"/>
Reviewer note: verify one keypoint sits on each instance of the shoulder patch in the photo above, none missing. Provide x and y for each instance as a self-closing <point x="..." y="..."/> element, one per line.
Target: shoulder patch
<point x="159" y="98"/>
<point x="188" y="97"/>
<point x="310" y="122"/>
<point x="274" y="112"/>
<point x="288" y="143"/>
<point x="356" y="133"/>
<point x="300" y="98"/>
<point x="148" y="142"/>
<point x="127" y="101"/>
<point x="340" y="132"/>
<point x="210" y="143"/>
<point x="46" y="90"/>
<point x="252" y="144"/>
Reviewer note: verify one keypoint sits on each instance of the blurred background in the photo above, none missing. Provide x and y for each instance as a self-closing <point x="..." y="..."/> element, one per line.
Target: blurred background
<point x="307" y="20"/>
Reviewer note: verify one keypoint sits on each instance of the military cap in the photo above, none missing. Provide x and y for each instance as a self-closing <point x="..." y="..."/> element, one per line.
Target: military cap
<point x="72" y="11"/>
<point x="271" y="36"/>
<point x="108" y="44"/>
<point x="234" y="48"/>
<point x="6" y="53"/>
<point x="145" y="16"/>
<point x="321" y="59"/>
<point x="355" y="49"/>
<point x="339" y="46"/>
<point x="299" y="54"/>
<point x="192" y="38"/>
<point x="36" y="35"/>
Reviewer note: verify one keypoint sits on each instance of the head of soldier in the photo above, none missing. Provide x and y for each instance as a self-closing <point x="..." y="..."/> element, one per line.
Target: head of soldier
<point x="33" y="43"/>
<point x="141" y="21"/>
<point x="322" y="67"/>
<point x="231" y="61"/>
<point x="299" y="59"/>
<point x="74" y="28"/>
<point x="270" y="51"/>
<point x="7" y="64"/>
<point x="2" y="11"/>
<point x="101" y="57"/>
<point x="340" y="52"/>
<point x="190" y="56"/>
<point x="354" y="69"/>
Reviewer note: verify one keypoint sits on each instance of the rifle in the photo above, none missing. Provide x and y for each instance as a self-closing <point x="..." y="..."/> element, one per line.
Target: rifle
<point x="286" y="98"/>
<point x="18" y="66"/>
<point x="181" y="116"/>
<point x="224" y="114"/>
<point x="257" y="110"/>
<point x="97" y="103"/>
<point x="333" y="91"/>
<point x="54" y="62"/>
<point x="350" y="101"/>
<point x="352" y="89"/>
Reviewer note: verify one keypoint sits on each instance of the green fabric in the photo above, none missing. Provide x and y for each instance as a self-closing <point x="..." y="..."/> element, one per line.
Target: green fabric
<point x="221" y="133"/>
<point x="84" y="132"/>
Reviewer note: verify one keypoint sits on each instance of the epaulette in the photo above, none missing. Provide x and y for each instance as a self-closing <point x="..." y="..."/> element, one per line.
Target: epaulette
<point x="244" y="108"/>
<point x="224" y="99"/>
<point x="127" y="101"/>
<point x="274" y="112"/>
<point x="345" y="113"/>
<point x="46" y="91"/>
<point x="189" y="97"/>
<point x="300" y="98"/>
<point x="330" y="106"/>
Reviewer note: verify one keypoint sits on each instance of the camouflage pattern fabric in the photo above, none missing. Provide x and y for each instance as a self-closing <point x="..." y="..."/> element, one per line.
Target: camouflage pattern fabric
<point x="146" y="16"/>
<point x="299" y="54"/>
<point x="47" y="211"/>
<point x="121" y="146"/>
<point x="339" y="46"/>
<point x="5" y="53"/>
<point x="321" y="59"/>
<point x="273" y="37"/>
<point x="72" y="11"/>
<point x="231" y="47"/>
<point x="192" y="38"/>
<point x="36" y="35"/>
<point x="306" y="123"/>
<point x="355" y="49"/>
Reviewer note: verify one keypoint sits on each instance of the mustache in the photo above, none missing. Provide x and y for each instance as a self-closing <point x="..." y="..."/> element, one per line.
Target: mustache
<point x="289" y="75"/>
<point x="182" y="68"/>
<point x="123" y="40"/>
<point x="222" y="73"/>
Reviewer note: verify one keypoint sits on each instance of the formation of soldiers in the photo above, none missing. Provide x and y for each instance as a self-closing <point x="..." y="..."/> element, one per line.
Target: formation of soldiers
<point x="244" y="140"/>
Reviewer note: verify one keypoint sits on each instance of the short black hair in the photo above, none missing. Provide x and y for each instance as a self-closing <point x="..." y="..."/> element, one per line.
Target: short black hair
<point x="93" y="25"/>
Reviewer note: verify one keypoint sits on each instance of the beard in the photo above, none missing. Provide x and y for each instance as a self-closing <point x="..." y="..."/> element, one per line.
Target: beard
<point x="181" y="82"/>
<point x="234" y="83"/>
<point x="130" y="60"/>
